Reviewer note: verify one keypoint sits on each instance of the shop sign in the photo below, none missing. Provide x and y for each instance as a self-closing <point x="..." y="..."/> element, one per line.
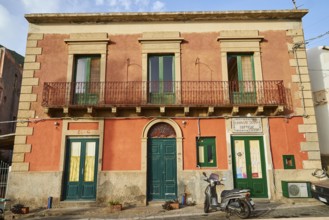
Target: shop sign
<point x="247" y="125"/>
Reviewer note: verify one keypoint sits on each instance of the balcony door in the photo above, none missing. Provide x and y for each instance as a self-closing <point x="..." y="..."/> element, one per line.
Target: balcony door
<point x="241" y="77"/>
<point x="86" y="80"/>
<point x="161" y="74"/>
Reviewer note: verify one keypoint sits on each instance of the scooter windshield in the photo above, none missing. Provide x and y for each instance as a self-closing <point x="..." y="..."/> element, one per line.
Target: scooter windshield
<point x="214" y="176"/>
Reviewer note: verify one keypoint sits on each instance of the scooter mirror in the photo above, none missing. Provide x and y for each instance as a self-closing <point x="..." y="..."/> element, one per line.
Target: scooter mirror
<point x="204" y="174"/>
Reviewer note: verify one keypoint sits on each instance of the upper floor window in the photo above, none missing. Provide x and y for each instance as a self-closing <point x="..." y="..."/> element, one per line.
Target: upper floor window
<point x="161" y="79"/>
<point x="241" y="77"/>
<point x="87" y="68"/>
<point x="240" y="67"/>
<point x="86" y="78"/>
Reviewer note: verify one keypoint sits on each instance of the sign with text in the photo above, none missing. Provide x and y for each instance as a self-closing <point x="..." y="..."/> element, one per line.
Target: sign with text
<point x="247" y="125"/>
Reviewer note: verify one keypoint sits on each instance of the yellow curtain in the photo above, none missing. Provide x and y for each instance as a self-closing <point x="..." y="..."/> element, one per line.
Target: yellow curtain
<point x="74" y="168"/>
<point x="89" y="169"/>
<point x="247" y="68"/>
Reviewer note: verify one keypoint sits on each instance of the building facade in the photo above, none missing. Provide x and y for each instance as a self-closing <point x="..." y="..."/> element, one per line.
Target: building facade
<point x="318" y="64"/>
<point x="11" y="68"/>
<point x="135" y="106"/>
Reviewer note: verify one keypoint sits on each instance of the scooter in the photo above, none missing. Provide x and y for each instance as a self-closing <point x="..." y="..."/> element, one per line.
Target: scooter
<point x="235" y="201"/>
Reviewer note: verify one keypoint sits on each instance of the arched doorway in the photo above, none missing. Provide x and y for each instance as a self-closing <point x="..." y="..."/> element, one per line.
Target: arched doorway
<point x="161" y="162"/>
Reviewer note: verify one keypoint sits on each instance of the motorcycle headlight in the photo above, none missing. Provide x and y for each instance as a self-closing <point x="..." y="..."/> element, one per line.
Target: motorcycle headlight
<point x="313" y="187"/>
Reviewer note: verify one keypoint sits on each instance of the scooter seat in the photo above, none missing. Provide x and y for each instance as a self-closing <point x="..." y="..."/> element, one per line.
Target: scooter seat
<point x="226" y="192"/>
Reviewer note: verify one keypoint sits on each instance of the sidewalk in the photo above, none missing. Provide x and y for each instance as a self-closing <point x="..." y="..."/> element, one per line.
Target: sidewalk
<point x="155" y="211"/>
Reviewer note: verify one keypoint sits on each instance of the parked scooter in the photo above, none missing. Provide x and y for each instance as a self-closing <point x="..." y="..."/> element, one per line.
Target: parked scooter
<point x="235" y="201"/>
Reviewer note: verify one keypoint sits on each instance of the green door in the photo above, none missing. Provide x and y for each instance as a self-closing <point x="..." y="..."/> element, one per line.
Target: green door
<point x="86" y="80"/>
<point x="241" y="76"/>
<point x="161" y="76"/>
<point x="161" y="169"/>
<point x="249" y="167"/>
<point x="80" y="169"/>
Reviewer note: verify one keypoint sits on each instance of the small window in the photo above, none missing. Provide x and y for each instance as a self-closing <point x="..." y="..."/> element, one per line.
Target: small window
<point x="206" y="151"/>
<point x="289" y="162"/>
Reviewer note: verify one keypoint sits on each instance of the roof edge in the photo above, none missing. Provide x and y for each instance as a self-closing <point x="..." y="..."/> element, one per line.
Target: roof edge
<point x="164" y="16"/>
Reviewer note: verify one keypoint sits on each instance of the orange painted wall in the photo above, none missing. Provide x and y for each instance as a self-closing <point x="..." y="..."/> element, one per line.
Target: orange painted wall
<point x="122" y="144"/>
<point x="285" y="140"/>
<point x="124" y="60"/>
<point x="200" y="57"/>
<point x="46" y="145"/>
<point x="83" y="126"/>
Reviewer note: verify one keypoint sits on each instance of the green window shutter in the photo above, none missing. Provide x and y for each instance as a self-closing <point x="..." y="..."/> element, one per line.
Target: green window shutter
<point x="206" y="152"/>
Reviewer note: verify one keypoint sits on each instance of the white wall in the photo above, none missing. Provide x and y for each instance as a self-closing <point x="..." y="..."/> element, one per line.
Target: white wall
<point x="318" y="64"/>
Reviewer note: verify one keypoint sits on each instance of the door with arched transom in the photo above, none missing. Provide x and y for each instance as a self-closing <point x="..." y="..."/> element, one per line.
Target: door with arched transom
<point x="161" y="163"/>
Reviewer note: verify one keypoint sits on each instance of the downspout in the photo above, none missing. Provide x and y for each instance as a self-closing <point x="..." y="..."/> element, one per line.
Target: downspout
<point x="294" y="49"/>
<point x="199" y="130"/>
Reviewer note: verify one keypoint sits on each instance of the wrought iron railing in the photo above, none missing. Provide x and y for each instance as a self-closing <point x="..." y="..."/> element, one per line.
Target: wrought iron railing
<point x="173" y="93"/>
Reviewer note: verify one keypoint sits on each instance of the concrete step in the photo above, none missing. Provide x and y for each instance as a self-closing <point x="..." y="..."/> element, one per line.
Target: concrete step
<point x="78" y="204"/>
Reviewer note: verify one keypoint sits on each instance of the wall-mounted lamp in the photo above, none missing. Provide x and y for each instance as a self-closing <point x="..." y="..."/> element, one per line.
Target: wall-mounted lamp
<point x="56" y="123"/>
<point x="197" y="60"/>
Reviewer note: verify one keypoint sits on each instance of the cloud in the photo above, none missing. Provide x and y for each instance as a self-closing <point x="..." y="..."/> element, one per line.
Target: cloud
<point x="132" y="5"/>
<point x="37" y="6"/>
<point x="99" y="2"/>
<point x="4" y="18"/>
<point x="158" y="6"/>
<point x="13" y="30"/>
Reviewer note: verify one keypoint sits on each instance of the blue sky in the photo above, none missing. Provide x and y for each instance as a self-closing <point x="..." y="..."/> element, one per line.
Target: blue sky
<point x="13" y="26"/>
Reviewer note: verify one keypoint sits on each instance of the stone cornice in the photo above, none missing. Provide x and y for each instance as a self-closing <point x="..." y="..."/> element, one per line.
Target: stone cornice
<point x="165" y="16"/>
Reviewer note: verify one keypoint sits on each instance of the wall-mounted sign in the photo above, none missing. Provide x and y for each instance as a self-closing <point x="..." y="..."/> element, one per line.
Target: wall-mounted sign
<point x="247" y="125"/>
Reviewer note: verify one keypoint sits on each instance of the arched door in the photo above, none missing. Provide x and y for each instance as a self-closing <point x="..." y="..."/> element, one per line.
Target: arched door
<point x="161" y="163"/>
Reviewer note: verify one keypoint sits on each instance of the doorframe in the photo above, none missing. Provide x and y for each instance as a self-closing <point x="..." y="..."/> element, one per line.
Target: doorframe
<point x="71" y="139"/>
<point x="270" y="176"/>
<point x="91" y="134"/>
<point x="179" y="149"/>
<point x="244" y="138"/>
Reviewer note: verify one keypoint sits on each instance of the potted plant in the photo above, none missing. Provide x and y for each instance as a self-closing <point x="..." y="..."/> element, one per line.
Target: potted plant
<point x="115" y="205"/>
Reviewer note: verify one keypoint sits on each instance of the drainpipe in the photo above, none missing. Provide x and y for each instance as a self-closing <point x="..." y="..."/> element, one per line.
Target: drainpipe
<point x="199" y="130"/>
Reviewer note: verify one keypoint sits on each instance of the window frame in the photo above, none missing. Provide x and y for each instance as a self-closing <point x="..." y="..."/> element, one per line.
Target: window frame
<point x="205" y="151"/>
<point x="286" y="166"/>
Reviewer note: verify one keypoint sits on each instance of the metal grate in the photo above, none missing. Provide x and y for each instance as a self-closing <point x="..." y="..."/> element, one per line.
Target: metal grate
<point x="4" y="170"/>
<point x="171" y="93"/>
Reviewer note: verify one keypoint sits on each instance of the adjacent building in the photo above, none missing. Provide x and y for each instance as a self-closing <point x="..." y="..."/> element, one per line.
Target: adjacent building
<point x="318" y="64"/>
<point x="135" y="106"/>
<point x="11" y="68"/>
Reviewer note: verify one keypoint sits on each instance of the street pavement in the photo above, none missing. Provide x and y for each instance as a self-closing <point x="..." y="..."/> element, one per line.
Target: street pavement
<point x="308" y="209"/>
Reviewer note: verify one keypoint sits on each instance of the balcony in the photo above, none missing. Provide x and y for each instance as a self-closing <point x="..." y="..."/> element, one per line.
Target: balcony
<point x="185" y="94"/>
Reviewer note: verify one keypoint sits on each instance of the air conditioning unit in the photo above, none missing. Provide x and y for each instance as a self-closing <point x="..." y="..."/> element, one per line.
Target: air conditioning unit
<point x="296" y="189"/>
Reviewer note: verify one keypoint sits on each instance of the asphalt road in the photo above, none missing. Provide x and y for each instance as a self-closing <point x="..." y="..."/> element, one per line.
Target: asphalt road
<point x="313" y="212"/>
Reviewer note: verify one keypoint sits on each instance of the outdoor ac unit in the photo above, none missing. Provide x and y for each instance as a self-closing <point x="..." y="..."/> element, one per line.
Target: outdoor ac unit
<point x="294" y="189"/>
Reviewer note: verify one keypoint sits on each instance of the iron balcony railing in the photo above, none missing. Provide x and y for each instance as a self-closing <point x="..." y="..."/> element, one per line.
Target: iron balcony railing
<point x="173" y="93"/>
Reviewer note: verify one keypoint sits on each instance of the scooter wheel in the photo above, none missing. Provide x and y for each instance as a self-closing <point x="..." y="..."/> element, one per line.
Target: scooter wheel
<point x="244" y="211"/>
<point x="206" y="206"/>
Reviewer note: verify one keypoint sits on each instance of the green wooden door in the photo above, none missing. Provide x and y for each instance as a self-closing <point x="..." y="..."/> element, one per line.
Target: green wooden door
<point x="161" y="79"/>
<point x="249" y="167"/>
<point x="241" y="76"/>
<point x="161" y="169"/>
<point x="86" y="79"/>
<point x="80" y="169"/>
